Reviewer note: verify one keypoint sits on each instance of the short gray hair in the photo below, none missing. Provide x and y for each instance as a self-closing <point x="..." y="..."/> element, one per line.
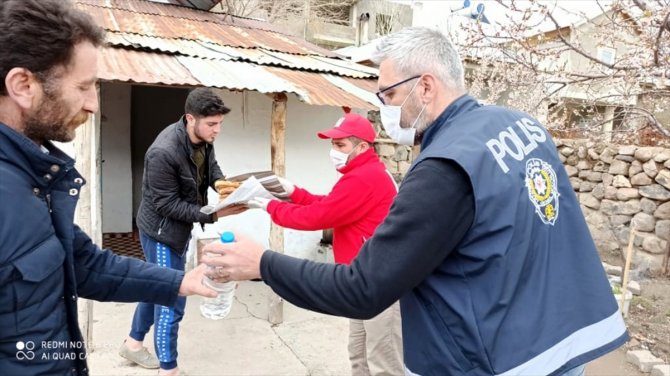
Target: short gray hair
<point x="418" y="50"/>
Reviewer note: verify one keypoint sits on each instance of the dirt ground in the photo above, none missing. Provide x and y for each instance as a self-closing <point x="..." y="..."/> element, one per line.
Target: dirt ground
<point x="649" y="318"/>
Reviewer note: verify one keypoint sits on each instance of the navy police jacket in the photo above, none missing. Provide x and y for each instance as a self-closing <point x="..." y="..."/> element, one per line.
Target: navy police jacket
<point x="47" y="262"/>
<point x="525" y="292"/>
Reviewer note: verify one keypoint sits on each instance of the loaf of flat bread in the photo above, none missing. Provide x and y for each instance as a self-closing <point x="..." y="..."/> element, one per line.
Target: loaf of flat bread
<point x="225" y="188"/>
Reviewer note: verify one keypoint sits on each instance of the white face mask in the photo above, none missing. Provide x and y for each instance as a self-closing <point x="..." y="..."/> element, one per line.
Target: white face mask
<point x="339" y="158"/>
<point x="390" y="117"/>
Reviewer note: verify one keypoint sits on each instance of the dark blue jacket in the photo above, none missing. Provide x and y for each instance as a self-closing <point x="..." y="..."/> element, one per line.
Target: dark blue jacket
<point x="525" y="292"/>
<point x="47" y="262"/>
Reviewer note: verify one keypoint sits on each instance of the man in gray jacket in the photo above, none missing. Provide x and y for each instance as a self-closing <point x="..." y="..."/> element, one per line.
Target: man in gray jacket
<point x="179" y="167"/>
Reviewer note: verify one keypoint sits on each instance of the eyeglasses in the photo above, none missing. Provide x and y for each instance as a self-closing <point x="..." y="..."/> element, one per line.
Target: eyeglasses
<point x="380" y="93"/>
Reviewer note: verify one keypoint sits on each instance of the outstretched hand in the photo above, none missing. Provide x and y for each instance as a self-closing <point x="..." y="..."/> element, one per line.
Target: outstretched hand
<point x="192" y="284"/>
<point x="258" y="203"/>
<point x="287" y="185"/>
<point x="236" y="261"/>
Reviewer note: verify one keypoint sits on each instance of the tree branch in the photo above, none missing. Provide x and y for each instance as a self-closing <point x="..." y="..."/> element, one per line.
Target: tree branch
<point x="573" y="47"/>
<point x="665" y="23"/>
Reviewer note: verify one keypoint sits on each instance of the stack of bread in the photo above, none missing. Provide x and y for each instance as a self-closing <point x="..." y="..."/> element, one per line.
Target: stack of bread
<point x="225" y="188"/>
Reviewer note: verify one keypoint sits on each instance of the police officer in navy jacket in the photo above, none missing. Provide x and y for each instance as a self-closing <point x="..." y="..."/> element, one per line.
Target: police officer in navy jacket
<point x="48" y="72"/>
<point x="485" y="245"/>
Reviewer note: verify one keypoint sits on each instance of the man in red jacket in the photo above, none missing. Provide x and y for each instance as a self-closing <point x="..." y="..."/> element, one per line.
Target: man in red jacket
<point x="357" y="204"/>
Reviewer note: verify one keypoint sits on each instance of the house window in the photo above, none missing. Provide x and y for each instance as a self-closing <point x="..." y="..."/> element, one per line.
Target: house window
<point x="606" y="55"/>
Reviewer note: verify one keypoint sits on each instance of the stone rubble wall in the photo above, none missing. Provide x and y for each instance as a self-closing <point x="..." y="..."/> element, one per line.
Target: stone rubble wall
<point x="396" y="158"/>
<point x="617" y="185"/>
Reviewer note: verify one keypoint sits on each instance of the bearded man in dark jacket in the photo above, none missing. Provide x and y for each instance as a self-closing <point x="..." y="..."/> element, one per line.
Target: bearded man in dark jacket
<point x="48" y="71"/>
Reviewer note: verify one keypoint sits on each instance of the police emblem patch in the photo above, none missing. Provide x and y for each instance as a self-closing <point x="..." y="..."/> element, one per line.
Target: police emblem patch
<point x="542" y="189"/>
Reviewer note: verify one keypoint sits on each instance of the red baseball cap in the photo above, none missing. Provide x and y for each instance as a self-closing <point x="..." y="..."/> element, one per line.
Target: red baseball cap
<point x="351" y="125"/>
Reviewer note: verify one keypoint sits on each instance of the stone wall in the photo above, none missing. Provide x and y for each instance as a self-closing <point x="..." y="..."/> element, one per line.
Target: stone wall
<point x="620" y="186"/>
<point x="617" y="186"/>
<point x="397" y="158"/>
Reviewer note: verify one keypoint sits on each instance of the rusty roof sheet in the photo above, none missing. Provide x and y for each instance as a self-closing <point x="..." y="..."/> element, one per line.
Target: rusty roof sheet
<point x="261" y="56"/>
<point x="187" y="13"/>
<point x="320" y="90"/>
<point x="143" y="67"/>
<point x="171" y="22"/>
<point x="368" y="85"/>
<point x="173" y="46"/>
<point x="353" y="88"/>
<point x="315" y="63"/>
<point x="169" y="45"/>
<point x="314" y="88"/>
<point x="235" y="75"/>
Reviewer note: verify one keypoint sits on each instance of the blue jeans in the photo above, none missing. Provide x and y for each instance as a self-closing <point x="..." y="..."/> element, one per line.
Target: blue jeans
<point x="165" y="319"/>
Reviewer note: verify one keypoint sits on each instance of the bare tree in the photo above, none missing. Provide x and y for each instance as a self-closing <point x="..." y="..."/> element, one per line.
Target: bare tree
<point x="335" y="11"/>
<point x="241" y="8"/>
<point x="269" y="10"/>
<point x="387" y="15"/>
<point x="606" y="75"/>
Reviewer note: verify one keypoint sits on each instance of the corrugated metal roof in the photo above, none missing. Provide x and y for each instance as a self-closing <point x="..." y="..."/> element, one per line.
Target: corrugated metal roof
<point x="260" y="56"/>
<point x="169" y="21"/>
<point x="170" y="45"/>
<point x="173" y="46"/>
<point x="235" y="75"/>
<point x="313" y="88"/>
<point x="352" y="88"/>
<point x="317" y="63"/>
<point x="167" y="10"/>
<point x="368" y="85"/>
<point x="143" y="67"/>
<point x="320" y="90"/>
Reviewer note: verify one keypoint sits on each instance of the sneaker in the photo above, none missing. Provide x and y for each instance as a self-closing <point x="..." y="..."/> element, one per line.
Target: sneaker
<point x="141" y="357"/>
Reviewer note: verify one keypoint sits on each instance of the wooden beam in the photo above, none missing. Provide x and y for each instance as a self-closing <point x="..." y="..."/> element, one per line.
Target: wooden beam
<point x="88" y="213"/>
<point x="277" y="154"/>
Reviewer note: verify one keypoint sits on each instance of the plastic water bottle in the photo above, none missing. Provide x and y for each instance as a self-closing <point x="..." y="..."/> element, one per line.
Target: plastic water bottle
<point x="219" y="307"/>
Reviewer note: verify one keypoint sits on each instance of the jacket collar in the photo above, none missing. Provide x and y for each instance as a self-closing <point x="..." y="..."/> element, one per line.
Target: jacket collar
<point x="464" y="103"/>
<point x="182" y="135"/>
<point x="24" y="153"/>
<point x="360" y="160"/>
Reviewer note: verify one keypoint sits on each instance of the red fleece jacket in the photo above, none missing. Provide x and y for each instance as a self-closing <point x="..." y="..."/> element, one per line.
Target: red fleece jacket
<point x="354" y="208"/>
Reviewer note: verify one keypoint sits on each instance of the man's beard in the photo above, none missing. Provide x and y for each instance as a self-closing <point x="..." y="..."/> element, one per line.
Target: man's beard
<point x="49" y="121"/>
<point x="198" y="134"/>
<point x="421" y="122"/>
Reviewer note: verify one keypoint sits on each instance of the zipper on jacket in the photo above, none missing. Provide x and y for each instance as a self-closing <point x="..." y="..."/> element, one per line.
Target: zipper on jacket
<point x="160" y="225"/>
<point x="47" y="197"/>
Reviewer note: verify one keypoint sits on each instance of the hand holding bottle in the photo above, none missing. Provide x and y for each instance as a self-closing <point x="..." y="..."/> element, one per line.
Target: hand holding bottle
<point x="219" y="307"/>
<point x="241" y="259"/>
